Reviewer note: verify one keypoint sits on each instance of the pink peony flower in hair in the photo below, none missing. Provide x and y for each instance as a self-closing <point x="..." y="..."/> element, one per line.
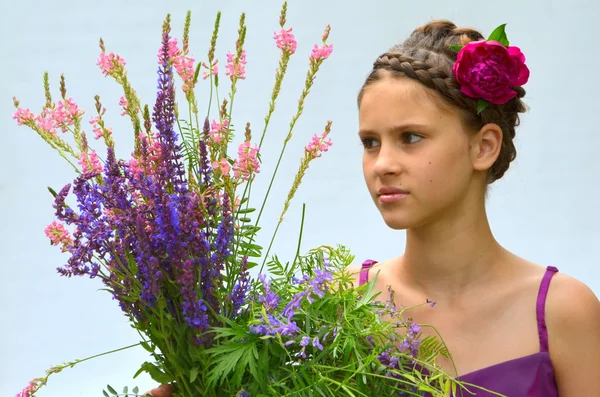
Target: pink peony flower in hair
<point x="489" y="70"/>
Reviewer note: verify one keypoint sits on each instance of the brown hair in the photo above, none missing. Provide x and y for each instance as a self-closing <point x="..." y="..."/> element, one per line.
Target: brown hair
<point x="427" y="57"/>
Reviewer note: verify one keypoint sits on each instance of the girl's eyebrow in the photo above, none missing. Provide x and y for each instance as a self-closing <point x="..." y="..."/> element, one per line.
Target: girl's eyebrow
<point x="396" y="128"/>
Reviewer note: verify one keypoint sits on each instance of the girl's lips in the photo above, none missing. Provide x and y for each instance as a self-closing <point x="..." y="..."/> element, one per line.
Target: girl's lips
<point x="385" y="190"/>
<point x="391" y="198"/>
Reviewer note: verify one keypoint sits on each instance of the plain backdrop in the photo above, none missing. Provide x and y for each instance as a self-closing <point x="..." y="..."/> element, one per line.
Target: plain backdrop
<point x="544" y="209"/>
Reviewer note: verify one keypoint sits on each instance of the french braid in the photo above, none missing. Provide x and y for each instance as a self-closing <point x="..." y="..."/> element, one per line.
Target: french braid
<point x="427" y="56"/>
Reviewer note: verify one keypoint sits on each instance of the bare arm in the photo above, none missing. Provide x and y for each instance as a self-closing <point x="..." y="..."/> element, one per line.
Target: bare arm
<point x="573" y="320"/>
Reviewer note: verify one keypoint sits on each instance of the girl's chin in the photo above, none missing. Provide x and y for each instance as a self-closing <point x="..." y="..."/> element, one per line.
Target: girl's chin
<point x="396" y="222"/>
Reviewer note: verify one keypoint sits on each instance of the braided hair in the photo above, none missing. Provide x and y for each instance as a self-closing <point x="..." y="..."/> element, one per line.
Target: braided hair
<point x="427" y="56"/>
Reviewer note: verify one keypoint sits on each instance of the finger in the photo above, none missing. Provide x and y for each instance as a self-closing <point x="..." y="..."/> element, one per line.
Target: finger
<point x="161" y="391"/>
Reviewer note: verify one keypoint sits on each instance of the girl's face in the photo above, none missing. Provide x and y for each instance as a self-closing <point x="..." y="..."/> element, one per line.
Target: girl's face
<point x="417" y="159"/>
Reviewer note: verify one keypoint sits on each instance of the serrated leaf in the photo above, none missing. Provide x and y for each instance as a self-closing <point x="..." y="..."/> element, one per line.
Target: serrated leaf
<point x="226" y="362"/>
<point x="499" y="35"/>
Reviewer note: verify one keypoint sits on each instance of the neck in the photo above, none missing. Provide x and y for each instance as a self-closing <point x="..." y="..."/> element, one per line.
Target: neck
<point x="450" y="256"/>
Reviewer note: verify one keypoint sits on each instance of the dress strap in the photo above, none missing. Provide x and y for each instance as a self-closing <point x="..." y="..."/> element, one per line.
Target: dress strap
<point x="364" y="271"/>
<point x="541" y="307"/>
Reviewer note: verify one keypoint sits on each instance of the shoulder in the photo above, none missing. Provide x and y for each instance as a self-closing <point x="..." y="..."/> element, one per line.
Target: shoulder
<point x="571" y="304"/>
<point x="573" y="321"/>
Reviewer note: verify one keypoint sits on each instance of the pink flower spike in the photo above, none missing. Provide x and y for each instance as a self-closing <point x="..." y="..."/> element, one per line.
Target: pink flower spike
<point x="318" y="145"/>
<point x="235" y="69"/>
<point x="321" y="52"/>
<point x="285" y="40"/>
<point x="108" y="62"/>
<point x="172" y="52"/>
<point x="58" y="235"/>
<point x="247" y="161"/>
<point x="90" y="163"/>
<point x="23" y="116"/>
<point x="98" y="131"/>
<point x="222" y="165"/>
<point x="218" y="131"/>
<point x="45" y="122"/>
<point x="65" y="113"/>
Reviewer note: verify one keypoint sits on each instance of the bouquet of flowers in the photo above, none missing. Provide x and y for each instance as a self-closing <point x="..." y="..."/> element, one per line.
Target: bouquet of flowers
<point x="171" y="234"/>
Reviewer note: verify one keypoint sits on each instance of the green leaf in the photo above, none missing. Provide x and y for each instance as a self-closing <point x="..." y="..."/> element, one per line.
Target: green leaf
<point x="112" y="391"/>
<point x="228" y="357"/>
<point x="251" y="265"/>
<point x="52" y="192"/>
<point x="499" y="35"/>
<point x="105" y="393"/>
<point x="456" y="48"/>
<point x="245" y="210"/>
<point x="147" y="347"/>
<point x="135" y="390"/>
<point x="155" y="373"/>
<point x="125" y="390"/>
<point x="482" y="104"/>
<point x="194" y="374"/>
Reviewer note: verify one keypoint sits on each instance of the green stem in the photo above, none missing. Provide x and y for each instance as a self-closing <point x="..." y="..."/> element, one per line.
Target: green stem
<point x="300" y="234"/>
<point x="308" y="84"/>
<point x="210" y="95"/>
<point x="285" y="58"/>
<point x="269" y="248"/>
<point x="106" y="353"/>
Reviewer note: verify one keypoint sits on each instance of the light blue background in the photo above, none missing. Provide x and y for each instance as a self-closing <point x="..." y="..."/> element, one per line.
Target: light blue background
<point x="544" y="209"/>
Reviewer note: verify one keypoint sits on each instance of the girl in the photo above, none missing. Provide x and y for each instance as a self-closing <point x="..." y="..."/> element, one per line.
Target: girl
<point x="437" y="129"/>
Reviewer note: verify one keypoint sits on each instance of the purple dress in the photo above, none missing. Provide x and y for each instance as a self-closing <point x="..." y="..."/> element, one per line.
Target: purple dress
<point x="529" y="376"/>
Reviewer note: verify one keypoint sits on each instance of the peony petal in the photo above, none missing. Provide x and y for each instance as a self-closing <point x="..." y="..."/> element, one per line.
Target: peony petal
<point x="502" y="98"/>
<point x="523" y="76"/>
<point x="515" y="53"/>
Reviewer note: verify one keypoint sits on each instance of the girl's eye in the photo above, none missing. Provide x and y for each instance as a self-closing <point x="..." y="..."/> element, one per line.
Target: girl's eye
<point x="369" y="143"/>
<point x="411" y="138"/>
